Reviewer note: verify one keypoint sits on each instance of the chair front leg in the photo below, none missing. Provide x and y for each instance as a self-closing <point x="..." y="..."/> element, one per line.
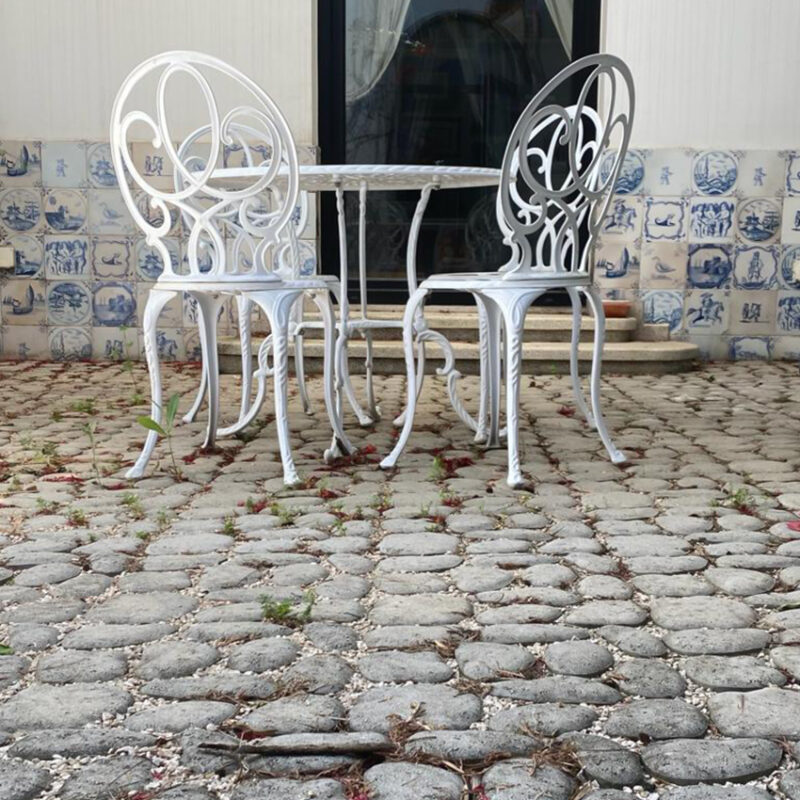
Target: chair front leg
<point x="593" y="296"/>
<point x="156" y="300"/>
<point x="299" y="355"/>
<point x="245" y="307"/>
<point x="574" y="365"/>
<point x="489" y="320"/>
<point x="208" y="306"/>
<point x="408" y="347"/>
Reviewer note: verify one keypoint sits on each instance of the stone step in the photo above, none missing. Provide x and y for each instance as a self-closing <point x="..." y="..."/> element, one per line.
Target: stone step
<point x="461" y="324"/>
<point x="629" y="358"/>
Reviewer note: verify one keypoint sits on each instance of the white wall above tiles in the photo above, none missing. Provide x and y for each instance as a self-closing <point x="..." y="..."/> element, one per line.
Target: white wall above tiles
<point x="710" y="73"/>
<point x="62" y="61"/>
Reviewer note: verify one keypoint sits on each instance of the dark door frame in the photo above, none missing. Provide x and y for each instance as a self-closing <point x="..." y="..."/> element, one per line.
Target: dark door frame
<point x="332" y="132"/>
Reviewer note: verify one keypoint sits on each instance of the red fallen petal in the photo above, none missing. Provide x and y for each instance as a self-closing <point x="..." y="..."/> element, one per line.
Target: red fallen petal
<point x="62" y="477"/>
<point x="794" y="525"/>
<point x="566" y="411"/>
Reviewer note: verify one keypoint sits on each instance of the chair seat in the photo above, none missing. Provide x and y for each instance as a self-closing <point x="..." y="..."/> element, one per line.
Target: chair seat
<point x="236" y="284"/>
<point x="475" y="281"/>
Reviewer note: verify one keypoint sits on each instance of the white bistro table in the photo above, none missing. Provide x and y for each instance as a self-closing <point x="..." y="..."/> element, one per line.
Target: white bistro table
<point x="365" y="178"/>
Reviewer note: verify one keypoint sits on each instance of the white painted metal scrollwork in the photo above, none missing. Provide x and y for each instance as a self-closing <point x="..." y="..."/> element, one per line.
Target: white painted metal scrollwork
<point x="552" y="194"/>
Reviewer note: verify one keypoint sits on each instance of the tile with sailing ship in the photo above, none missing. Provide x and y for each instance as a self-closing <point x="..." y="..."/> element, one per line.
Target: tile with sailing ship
<point x="787" y="316"/>
<point x="709" y="266"/>
<point x="750" y="348"/>
<point x="64" y="210"/>
<point x="762" y="173"/>
<point x="712" y="219"/>
<point x="707" y="311"/>
<point x="665" y="219"/>
<point x="70" y="344"/>
<point x="663" y="307"/>
<point x="21" y="210"/>
<point x="24" y="341"/>
<point x="68" y="303"/>
<point x="113" y="304"/>
<point x="100" y="167"/>
<point x="108" y="213"/>
<point x="790" y="227"/>
<point x="20" y="163"/>
<point x="171" y="315"/>
<point x="663" y="265"/>
<point x="111" y="257"/>
<point x="24" y="302"/>
<point x="617" y="265"/>
<point x="64" y="165"/>
<point x="752" y="313"/>
<point x="758" y="220"/>
<point x="755" y="267"/>
<point x="149" y="263"/>
<point x="28" y="254"/>
<point x="668" y="172"/>
<point x="66" y="256"/>
<point x="623" y="219"/>
<point x="714" y="172"/>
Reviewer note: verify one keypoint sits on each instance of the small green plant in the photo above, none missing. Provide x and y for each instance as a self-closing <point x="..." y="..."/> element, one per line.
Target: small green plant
<point x="56" y="415"/>
<point x="76" y="517"/>
<point x="6" y="650"/>
<point x="143" y="535"/>
<point x="165" y="430"/>
<point x="128" y="365"/>
<point x="229" y="526"/>
<point x="284" y="612"/>
<point x="90" y="429"/>
<point x="133" y="504"/>
<point x="163" y="518"/>
<point x="45" y="506"/>
<point x="286" y="516"/>
<point x="741" y="501"/>
<point x="84" y="406"/>
<point x="438" y="470"/>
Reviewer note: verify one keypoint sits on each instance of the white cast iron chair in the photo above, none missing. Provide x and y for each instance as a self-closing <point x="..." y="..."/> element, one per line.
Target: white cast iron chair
<point x="258" y="224"/>
<point x="558" y="175"/>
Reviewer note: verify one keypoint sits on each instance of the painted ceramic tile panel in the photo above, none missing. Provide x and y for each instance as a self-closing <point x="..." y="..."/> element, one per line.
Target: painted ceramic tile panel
<point x="762" y="173"/>
<point x="108" y="213"/>
<point x="100" y="166"/>
<point x="66" y="256"/>
<point x="664" y="265"/>
<point x="750" y="347"/>
<point x="707" y="311"/>
<point x="787" y="318"/>
<point x="711" y="219"/>
<point x="68" y="303"/>
<point x="70" y="344"/>
<point x="113" y="304"/>
<point x="617" y="265"/>
<point x="21" y="210"/>
<point x="665" y="219"/>
<point x="623" y="219"/>
<point x="25" y="341"/>
<point x="758" y="220"/>
<point x="20" y="163"/>
<point x="710" y="266"/>
<point x="111" y="257"/>
<point x="64" y="164"/>
<point x="664" y="307"/>
<point x="714" y="172"/>
<point x="755" y="267"/>
<point x="668" y="172"/>
<point x="24" y="302"/>
<point x="28" y="254"/>
<point x="64" y="210"/>
<point x="752" y="313"/>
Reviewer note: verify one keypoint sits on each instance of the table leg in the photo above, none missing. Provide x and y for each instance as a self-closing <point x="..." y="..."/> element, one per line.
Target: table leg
<point x="372" y="407"/>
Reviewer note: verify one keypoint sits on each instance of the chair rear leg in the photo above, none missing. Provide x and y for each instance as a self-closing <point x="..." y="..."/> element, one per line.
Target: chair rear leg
<point x="574" y="366"/>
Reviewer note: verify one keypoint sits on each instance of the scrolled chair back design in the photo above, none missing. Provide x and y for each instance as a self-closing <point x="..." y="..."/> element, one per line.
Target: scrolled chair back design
<point x="559" y="169"/>
<point x="256" y="215"/>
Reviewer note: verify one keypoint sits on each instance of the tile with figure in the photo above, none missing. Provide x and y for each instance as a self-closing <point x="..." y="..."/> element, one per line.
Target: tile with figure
<point x="752" y="312"/>
<point x="707" y="311"/>
<point x="668" y="172"/>
<point x="755" y="267"/>
<point x="712" y="219"/>
<point x="64" y="165"/>
<point x="66" y="256"/>
<point x="20" y="342"/>
<point x="623" y="219"/>
<point x="762" y="173"/>
<point x="787" y="316"/>
<point x="790" y="225"/>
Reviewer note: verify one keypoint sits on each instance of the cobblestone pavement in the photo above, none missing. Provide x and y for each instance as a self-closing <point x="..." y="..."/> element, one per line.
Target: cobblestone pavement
<point x="426" y="634"/>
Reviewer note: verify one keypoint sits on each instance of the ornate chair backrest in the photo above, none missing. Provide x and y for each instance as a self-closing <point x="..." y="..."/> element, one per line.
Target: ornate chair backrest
<point x="259" y="211"/>
<point x="559" y="170"/>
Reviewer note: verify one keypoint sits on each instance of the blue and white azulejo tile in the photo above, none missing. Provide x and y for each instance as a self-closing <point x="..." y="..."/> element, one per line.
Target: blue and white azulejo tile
<point x="789" y="274"/>
<point x="28" y="254"/>
<point x="664" y="265"/>
<point x="711" y="219"/>
<point x="68" y="303"/>
<point x="706" y="311"/>
<point x="752" y="313"/>
<point x="64" y="164"/>
<point x="758" y="220"/>
<point x="99" y="166"/>
<point x="710" y="266"/>
<point x="64" y="210"/>
<point x="20" y="163"/>
<point x="66" y="256"/>
<point x="113" y="304"/>
<point x="665" y="219"/>
<point x="790" y="226"/>
<point x="111" y="257"/>
<point x="623" y="218"/>
<point x="70" y="344"/>
<point x="762" y="173"/>
<point x="631" y="173"/>
<point x="748" y="348"/>
<point x="21" y="210"/>
<point x="714" y="172"/>
<point x="24" y="302"/>
<point x="663" y="307"/>
<point x="755" y="267"/>
<point x="787" y="318"/>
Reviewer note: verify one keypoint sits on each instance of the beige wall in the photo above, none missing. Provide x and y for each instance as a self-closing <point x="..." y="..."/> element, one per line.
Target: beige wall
<point x="63" y="60"/>
<point x="710" y="73"/>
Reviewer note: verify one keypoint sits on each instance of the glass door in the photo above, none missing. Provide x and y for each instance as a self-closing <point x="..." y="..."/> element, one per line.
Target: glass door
<point x="434" y="82"/>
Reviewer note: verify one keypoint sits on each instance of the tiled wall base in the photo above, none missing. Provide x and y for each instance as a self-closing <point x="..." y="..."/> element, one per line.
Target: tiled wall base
<point x="708" y="242"/>
<point x="82" y="271"/>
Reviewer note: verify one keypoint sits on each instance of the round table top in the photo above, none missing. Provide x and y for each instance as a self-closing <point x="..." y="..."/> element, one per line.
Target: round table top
<point x="376" y="177"/>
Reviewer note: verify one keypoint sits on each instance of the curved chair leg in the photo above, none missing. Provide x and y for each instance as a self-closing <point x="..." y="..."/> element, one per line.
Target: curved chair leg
<point x="245" y="306"/>
<point x="207" y="309"/>
<point x="156" y="300"/>
<point x="513" y="308"/>
<point x="408" y="347"/>
<point x="277" y="305"/>
<point x="260" y="376"/>
<point x="191" y="414"/>
<point x="341" y="444"/>
<point x="401" y="418"/>
<point x="491" y="370"/>
<point x="616" y="456"/>
<point x="372" y="407"/>
<point x="299" y="360"/>
<point x="574" y="367"/>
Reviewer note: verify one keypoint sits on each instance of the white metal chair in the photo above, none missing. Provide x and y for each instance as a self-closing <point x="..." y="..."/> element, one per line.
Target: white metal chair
<point x="255" y="218"/>
<point x="558" y="175"/>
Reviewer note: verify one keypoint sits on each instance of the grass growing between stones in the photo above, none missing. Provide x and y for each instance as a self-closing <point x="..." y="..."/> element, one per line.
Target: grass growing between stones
<point x="285" y="612"/>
